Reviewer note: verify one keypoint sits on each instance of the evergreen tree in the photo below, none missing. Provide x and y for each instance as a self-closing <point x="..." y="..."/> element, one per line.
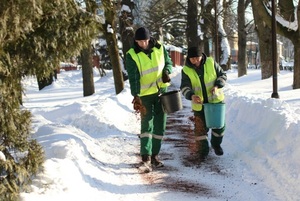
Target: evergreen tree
<point x="34" y="37"/>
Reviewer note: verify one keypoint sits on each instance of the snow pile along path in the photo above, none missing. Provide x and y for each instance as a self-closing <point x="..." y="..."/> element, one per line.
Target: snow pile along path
<point x="263" y="135"/>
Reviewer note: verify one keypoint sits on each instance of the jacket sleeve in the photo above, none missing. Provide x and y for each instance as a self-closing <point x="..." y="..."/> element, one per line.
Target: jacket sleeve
<point x="186" y="86"/>
<point x="221" y="76"/>
<point x="168" y="62"/>
<point x="133" y="75"/>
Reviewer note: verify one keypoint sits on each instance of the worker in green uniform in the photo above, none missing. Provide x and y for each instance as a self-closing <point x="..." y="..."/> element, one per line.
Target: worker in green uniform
<point x="202" y="80"/>
<point x="148" y="65"/>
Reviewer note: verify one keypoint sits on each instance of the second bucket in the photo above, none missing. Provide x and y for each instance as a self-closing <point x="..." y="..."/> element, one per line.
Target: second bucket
<point x="171" y="101"/>
<point x="214" y="115"/>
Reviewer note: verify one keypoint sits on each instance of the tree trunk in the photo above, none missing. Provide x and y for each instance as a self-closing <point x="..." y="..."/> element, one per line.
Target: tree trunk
<point x="44" y="81"/>
<point x="242" y="39"/>
<point x="286" y="9"/>
<point x="115" y="62"/>
<point x="192" y="23"/>
<point x="109" y="31"/>
<point x="223" y="44"/>
<point x="265" y="50"/>
<point x="264" y="33"/>
<point x="126" y="27"/>
<point x="296" y="80"/>
<point x="206" y="26"/>
<point x="87" y="72"/>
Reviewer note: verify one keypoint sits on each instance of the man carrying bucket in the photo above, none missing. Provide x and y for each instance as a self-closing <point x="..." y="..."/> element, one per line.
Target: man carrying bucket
<point x="202" y="80"/>
<point x="149" y="65"/>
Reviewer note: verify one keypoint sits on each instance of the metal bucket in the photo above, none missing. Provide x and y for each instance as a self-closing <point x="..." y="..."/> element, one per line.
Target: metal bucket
<point x="214" y="115"/>
<point x="171" y="101"/>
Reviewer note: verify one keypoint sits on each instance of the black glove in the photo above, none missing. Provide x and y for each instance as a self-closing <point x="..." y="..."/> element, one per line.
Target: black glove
<point x="165" y="77"/>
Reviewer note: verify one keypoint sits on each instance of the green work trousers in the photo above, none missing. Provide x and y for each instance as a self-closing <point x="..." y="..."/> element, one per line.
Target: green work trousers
<point x="153" y="125"/>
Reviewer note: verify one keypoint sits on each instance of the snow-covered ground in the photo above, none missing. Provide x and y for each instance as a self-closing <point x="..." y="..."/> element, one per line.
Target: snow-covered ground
<point x="91" y="144"/>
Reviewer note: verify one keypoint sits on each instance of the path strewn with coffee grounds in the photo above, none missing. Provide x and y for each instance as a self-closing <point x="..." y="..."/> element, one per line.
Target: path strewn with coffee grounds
<point x="179" y="155"/>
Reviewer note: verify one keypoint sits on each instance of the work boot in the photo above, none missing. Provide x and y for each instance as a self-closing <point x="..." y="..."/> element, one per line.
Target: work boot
<point x="218" y="150"/>
<point x="202" y="149"/>
<point x="146" y="158"/>
<point x="216" y="144"/>
<point x="145" y="166"/>
<point x="156" y="162"/>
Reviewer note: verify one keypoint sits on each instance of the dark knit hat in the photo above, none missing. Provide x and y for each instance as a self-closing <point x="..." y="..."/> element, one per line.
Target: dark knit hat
<point x="194" y="52"/>
<point x="142" y="33"/>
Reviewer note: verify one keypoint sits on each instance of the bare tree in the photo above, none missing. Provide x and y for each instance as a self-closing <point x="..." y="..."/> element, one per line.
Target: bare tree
<point x="213" y="27"/>
<point x="289" y="11"/>
<point x="86" y="57"/>
<point x="224" y="46"/>
<point x="207" y="25"/>
<point x="166" y="20"/>
<point x="192" y="23"/>
<point x="242" y="37"/>
<point x="264" y="33"/>
<point x="87" y="71"/>
<point x="287" y="26"/>
<point x="126" y="25"/>
<point x="111" y="40"/>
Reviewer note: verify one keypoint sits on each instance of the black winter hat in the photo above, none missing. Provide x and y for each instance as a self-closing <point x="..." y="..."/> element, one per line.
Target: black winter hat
<point x="142" y="33"/>
<point x="194" y="52"/>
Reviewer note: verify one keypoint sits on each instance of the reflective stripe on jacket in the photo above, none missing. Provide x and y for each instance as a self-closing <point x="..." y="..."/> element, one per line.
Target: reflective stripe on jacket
<point x="210" y="77"/>
<point x="150" y="70"/>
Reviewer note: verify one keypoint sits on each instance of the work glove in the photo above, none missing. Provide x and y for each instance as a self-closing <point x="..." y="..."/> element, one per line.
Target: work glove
<point x="214" y="89"/>
<point x="137" y="104"/>
<point x="165" y="77"/>
<point x="197" y="99"/>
